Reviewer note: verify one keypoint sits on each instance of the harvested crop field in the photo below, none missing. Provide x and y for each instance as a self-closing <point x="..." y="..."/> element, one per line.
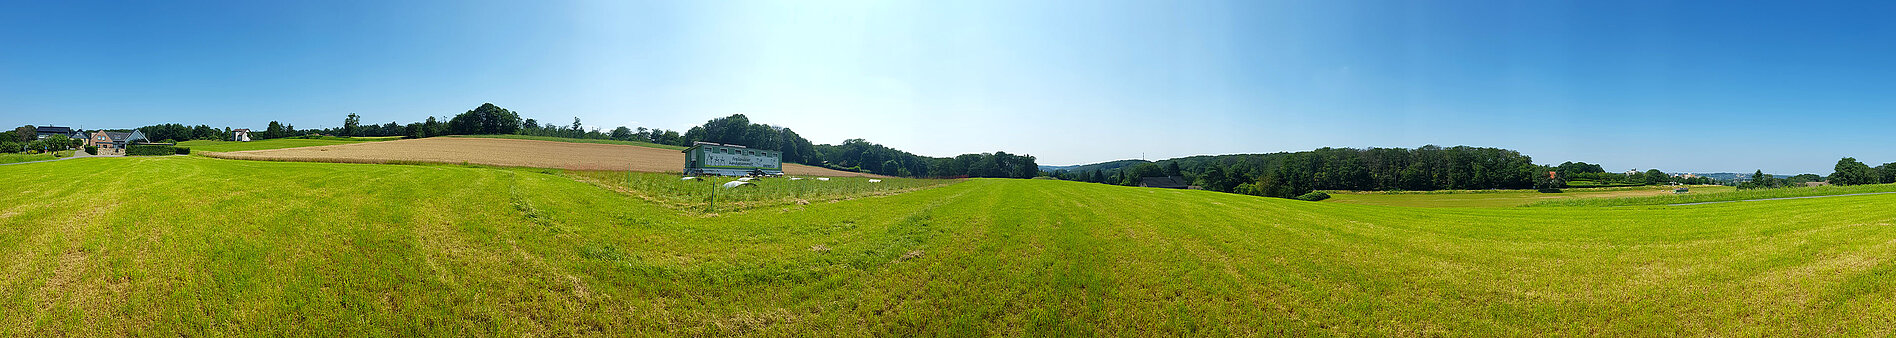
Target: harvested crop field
<point x="502" y="152"/>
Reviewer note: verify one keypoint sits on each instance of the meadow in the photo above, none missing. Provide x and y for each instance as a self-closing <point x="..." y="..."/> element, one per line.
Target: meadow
<point x="198" y="246"/>
<point x="671" y="191"/>
<point x="17" y="158"/>
<point x="280" y="143"/>
<point x="1727" y="195"/>
<point x="1504" y="198"/>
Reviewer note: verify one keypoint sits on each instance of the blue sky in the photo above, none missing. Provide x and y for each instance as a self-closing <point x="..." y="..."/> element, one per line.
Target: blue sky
<point x="1679" y="86"/>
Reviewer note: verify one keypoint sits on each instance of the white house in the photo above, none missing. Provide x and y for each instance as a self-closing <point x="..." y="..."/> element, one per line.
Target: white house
<point x="240" y="135"/>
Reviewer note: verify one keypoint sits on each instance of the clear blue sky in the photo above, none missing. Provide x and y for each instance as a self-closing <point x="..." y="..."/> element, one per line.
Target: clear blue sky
<point x="1681" y="86"/>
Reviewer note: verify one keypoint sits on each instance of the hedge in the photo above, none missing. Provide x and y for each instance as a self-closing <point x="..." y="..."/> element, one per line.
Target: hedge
<point x="1314" y="196"/>
<point x="182" y="150"/>
<point x="152" y="150"/>
<point x="92" y="150"/>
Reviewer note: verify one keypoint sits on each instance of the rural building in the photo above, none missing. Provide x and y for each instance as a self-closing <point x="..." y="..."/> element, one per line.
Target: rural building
<point x="113" y="140"/>
<point x="1167" y="182"/>
<point x="706" y="158"/>
<point x="49" y="131"/>
<point x="1816" y="184"/>
<point x="240" y="135"/>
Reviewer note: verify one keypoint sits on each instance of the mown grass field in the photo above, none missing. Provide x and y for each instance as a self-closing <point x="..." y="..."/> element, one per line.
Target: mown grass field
<point x="574" y="140"/>
<point x="280" y="143"/>
<point x="1726" y="195"/>
<point x="198" y="246"/>
<point x="1504" y="198"/>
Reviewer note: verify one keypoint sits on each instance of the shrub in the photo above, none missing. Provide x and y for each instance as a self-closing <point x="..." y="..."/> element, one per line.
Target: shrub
<point x="182" y="150"/>
<point x="149" y="150"/>
<point x="1314" y="196"/>
<point x="92" y="150"/>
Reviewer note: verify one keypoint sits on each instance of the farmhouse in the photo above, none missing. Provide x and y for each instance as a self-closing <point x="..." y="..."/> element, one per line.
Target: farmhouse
<point x="113" y="140"/>
<point x="1167" y="182"/>
<point x="240" y="135"/>
<point x="49" y="131"/>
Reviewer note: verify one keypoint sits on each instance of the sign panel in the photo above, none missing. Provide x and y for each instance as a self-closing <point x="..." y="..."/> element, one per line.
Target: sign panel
<point x="739" y="160"/>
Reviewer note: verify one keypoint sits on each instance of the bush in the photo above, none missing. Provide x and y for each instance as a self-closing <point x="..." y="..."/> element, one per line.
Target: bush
<point x="92" y="150"/>
<point x="149" y="150"/>
<point x="1314" y="196"/>
<point x="182" y="150"/>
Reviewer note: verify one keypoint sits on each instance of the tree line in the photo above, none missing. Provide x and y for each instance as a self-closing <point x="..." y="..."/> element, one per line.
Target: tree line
<point x="1293" y="174"/>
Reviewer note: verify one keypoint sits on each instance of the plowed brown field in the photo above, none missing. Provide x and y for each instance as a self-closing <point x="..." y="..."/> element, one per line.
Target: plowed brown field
<point x="502" y="152"/>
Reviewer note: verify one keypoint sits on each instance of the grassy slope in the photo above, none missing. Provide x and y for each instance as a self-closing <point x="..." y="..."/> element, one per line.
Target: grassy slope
<point x="17" y="158"/>
<point x="239" y="247"/>
<point x="225" y="146"/>
<point x="1723" y="196"/>
<point x="575" y="140"/>
<point x="1500" y="198"/>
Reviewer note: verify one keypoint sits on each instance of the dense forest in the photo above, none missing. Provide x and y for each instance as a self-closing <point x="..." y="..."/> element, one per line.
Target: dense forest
<point x="488" y="119"/>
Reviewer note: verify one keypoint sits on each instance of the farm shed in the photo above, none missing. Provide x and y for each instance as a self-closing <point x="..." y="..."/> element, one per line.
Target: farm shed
<point x="706" y="158"/>
<point x="1167" y="182"/>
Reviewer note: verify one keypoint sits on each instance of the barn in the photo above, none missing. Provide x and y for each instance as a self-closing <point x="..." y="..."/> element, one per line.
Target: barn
<point x="706" y="158"/>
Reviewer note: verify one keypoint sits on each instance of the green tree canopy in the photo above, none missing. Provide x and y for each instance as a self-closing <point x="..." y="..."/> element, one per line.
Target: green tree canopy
<point x="486" y="119"/>
<point x="1851" y="172"/>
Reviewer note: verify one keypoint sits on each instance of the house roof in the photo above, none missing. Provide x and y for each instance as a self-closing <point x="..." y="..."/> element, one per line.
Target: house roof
<point x="1174" y="182"/>
<point x="118" y="136"/>
<point x="53" y="130"/>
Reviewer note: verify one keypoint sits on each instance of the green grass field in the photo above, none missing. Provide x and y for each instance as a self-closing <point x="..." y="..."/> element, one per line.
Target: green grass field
<point x="17" y="158"/>
<point x="198" y="246"/>
<point x="1502" y="198"/>
<point x="575" y="140"/>
<point x="227" y="146"/>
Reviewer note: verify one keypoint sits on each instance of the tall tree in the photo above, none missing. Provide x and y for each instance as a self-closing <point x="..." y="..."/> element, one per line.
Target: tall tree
<point x="486" y="119"/>
<point x="1654" y="177"/>
<point x="275" y="130"/>
<point x="352" y="125"/>
<point x="26" y="133"/>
